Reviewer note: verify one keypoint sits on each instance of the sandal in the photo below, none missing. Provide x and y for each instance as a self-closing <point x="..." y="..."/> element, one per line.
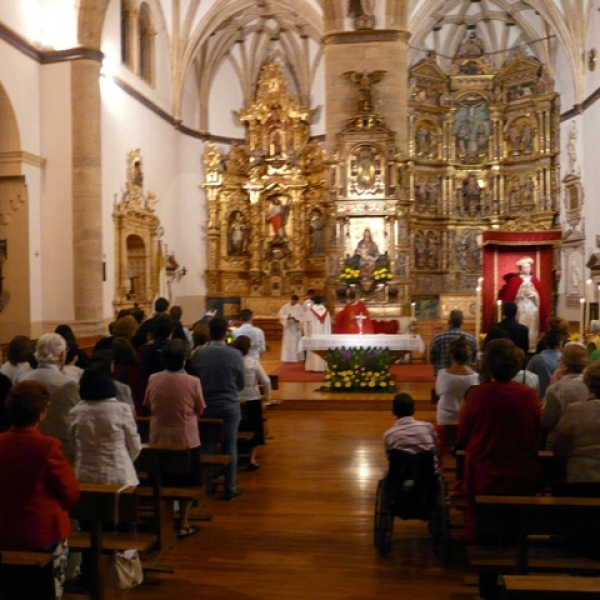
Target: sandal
<point x="185" y="532"/>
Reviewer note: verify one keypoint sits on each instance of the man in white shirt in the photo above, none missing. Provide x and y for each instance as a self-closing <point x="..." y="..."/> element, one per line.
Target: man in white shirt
<point x="290" y="316"/>
<point x="316" y="320"/>
<point x="256" y="335"/>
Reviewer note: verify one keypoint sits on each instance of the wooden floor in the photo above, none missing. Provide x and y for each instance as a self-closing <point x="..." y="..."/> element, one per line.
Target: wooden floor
<point x="303" y="530"/>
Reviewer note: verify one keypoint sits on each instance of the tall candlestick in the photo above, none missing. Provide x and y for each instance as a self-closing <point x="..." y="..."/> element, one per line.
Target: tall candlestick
<point x="477" y="314"/>
<point x="588" y="301"/>
<point x="413" y="310"/>
<point x="499" y="311"/>
<point x="581" y="317"/>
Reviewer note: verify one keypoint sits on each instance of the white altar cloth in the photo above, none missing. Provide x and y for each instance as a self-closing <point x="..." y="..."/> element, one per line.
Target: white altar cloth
<point x="395" y="343"/>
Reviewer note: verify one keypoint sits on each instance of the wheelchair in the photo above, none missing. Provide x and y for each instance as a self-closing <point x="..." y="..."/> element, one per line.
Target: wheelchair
<point x="411" y="489"/>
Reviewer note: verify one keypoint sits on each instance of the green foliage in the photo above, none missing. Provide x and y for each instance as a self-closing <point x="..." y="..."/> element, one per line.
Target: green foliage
<point x="358" y="370"/>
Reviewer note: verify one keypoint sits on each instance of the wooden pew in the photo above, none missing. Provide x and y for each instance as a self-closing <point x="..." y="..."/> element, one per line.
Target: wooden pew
<point x="26" y="575"/>
<point x="99" y="503"/>
<point x="544" y="587"/>
<point x="520" y="518"/>
<point x="156" y="460"/>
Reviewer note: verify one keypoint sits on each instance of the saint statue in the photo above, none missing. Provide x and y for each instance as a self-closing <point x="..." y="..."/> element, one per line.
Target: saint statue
<point x="277" y="216"/>
<point x="367" y="253"/>
<point x="238" y="231"/>
<point x="525" y="290"/>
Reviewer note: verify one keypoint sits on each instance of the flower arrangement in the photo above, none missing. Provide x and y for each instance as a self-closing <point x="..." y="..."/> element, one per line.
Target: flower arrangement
<point x="382" y="275"/>
<point x="358" y="370"/>
<point x="350" y="275"/>
<point x="574" y="337"/>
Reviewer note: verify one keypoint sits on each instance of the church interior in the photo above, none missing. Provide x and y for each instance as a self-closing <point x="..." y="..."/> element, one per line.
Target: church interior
<point x="233" y="153"/>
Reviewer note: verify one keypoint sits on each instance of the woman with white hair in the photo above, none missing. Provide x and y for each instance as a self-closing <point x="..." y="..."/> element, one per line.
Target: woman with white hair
<point x="51" y="352"/>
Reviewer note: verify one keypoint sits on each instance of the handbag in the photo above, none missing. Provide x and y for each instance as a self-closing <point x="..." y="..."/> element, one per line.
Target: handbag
<point x="125" y="569"/>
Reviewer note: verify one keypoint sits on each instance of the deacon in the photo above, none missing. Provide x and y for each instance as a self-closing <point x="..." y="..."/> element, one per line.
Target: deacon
<point x="290" y="316"/>
<point x="316" y="321"/>
<point x="352" y="315"/>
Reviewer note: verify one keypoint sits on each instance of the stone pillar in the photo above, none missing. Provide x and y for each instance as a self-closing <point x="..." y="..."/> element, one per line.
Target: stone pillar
<point x="86" y="194"/>
<point x="367" y="51"/>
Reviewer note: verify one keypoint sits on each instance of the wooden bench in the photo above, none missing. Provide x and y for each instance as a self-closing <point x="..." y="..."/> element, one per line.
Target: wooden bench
<point x="157" y="460"/>
<point x="99" y="503"/>
<point x="26" y="575"/>
<point x="521" y="517"/>
<point x="545" y="587"/>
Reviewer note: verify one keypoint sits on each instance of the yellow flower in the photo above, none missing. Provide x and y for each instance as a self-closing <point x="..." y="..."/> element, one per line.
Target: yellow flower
<point x="371" y="384"/>
<point x="327" y="376"/>
<point x="348" y="385"/>
<point x="338" y="384"/>
<point x="383" y="384"/>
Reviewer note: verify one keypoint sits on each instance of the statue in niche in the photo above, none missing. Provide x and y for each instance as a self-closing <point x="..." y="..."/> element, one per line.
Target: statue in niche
<point x="527" y="138"/>
<point x="434" y="191"/>
<point x="238" y="234"/>
<point x="575" y="279"/>
<point x="463" y="137"/>
<point x="368" y="254"/>
<point x="471" y="194"/>
<point x="482" y="137"/>
<point x="514" y="193"/>
<point x="525" y="290"/>
<point x="512" y="134"/>
<point x="527" y="192"/>
<point x="317" y="234"/>
<point x="138" y="176"/>
<point x="420" y="251"/>
<point x="468" y="253"/>
<point x="421" y="193"/>
<point x="277" y="215"/>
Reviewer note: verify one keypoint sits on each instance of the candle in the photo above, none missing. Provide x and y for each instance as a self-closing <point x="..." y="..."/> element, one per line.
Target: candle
<point x="477" y="313"/>
<point x="588" y="301"/>
<point x="581" y="317"/>
<point x="499" y="311"/>
<point x="413" y="310"/>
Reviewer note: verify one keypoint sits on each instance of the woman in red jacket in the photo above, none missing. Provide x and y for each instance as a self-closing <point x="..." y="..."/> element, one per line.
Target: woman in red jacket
<point x="498" y="426"/>
<point x="38" y="484"/>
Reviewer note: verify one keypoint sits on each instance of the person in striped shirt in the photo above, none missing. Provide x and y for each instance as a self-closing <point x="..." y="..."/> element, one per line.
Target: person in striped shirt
<point x="408" y="434"/>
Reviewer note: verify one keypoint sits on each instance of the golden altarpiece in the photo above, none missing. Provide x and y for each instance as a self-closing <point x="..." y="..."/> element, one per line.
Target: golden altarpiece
<point x="267" y="206"/>
<point x="483" y="155"/>
<point x="137" y="230"/>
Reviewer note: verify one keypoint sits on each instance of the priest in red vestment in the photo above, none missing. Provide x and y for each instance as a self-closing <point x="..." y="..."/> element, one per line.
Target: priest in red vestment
<point x="346" y="321"/>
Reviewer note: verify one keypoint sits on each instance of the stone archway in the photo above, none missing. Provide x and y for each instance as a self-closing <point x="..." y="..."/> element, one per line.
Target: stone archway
<point x="15" y="285"/>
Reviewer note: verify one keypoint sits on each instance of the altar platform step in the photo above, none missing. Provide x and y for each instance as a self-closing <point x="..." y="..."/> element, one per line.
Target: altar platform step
<point x="306" y="396"/>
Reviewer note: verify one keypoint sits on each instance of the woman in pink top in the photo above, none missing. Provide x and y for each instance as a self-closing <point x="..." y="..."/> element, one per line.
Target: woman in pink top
<point x="175" y="400"/>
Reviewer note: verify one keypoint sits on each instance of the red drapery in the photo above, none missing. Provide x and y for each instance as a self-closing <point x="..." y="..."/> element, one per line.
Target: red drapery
<point x="501" y="250"/>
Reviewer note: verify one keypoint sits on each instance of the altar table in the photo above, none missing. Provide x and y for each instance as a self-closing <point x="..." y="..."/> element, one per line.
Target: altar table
<point x="398" y="345"/>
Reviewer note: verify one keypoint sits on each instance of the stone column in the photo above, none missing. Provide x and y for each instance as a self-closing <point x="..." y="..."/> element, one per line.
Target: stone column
<point x="367" y="51"/>
<point x="86" y="193"/>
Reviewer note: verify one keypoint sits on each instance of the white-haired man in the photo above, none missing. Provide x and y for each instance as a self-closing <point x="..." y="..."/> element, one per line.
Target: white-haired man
<point x="50" y="352"/>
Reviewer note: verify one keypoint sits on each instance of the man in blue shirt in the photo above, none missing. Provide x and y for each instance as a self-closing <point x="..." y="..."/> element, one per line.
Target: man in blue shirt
<point x="222" y="375"/>
<point x="546" y="362"/>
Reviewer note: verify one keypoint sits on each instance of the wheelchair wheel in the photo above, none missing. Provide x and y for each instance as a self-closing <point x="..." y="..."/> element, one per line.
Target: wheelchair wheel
<point x="439" y="525"/>
<point x="384" y="521"/>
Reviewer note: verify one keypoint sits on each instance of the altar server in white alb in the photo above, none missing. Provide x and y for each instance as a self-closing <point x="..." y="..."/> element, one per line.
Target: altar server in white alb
<point x="290" y="317"/>
<point x="316" y="321"/>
